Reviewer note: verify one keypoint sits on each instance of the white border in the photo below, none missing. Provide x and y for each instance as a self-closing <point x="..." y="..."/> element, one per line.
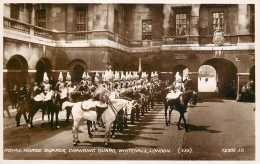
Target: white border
<point x="257" y="52"/>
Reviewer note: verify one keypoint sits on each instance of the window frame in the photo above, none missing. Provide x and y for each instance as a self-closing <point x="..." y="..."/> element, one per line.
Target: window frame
<point x="43" y="20"/>
<point x="83" y="11"/>
<point x="149" y="33"/>
<point x="182" y="10"/>
<point x="215" y="10"/>
<point x="175" y="24"/>
<point x="14" y="11"/>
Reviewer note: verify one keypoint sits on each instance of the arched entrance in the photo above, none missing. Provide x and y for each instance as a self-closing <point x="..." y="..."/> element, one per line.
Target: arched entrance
<point x="252" y="73"/>
<point x="183" y="71"/>
<point x="207" y="79"/>
<point x="76" y="69"/>
<point x="17" y="68"/>
<point x="226" y="76"/>
<point x="148" y="69"/>
<point x="43" y="65"/>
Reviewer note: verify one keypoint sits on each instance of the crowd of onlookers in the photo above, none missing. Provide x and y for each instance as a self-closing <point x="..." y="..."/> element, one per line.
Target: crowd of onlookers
<point x="12" y="94"/>
<point x="247" y="92"/>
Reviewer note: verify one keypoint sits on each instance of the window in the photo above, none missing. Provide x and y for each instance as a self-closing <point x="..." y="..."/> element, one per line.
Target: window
<point x="147" y="30"/>
<point x="81" y="18"/>
<point x="218" y="21"/>
<point x="115" y="22"/>
<point x="181" y="24"/>
<point x="14" y="10"/>
<point x="41" y="18"/>
<point x="80" y="22"/>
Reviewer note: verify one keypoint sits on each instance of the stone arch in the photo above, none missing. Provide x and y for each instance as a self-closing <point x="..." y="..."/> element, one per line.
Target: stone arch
<point x="43" y="65"/>
<point x="148" y="69"/>
<point x="17" y="70"/>
<point x="226" y="76"/>
<point x="76" y="68"/>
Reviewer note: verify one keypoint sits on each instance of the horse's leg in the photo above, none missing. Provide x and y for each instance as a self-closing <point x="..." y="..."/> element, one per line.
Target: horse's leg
<point x="68" y="112"/>
<point x="114" y="128"/>
<point x="107" y="133"/>
<point x="52" y="115"/>
<point x="137" y="113"/>
<point x="57" y="118"/>
<point x="43" y="112"/>
<point x="75" y="132"/>
<point x="133" y="112"/>
<point x="125" y="126"/>
<point x="184" y="120"/>
<point x="89" y="131"/>
<point x="179" y="127"/>
<point x="165" y="112"/>
<point x="48" y="113"/>
<point x="170" y="115"/>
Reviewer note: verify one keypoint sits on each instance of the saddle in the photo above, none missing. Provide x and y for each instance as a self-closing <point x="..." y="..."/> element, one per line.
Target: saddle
<point x="92" y="105"/>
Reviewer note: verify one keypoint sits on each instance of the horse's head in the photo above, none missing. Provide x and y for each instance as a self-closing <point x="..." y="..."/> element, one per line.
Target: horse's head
<point x="194" y="98"/>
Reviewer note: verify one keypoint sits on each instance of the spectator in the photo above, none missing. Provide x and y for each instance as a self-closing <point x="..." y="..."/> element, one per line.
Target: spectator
<point x="243" y="93"/>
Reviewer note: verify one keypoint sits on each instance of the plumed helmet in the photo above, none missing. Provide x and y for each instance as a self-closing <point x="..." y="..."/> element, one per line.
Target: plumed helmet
<point x="68" y="77"/>
<point x="84" y="75"/>
<point x="177" y="76"/>
<point x="60" y="76"/>
<point x="45" y="77"/>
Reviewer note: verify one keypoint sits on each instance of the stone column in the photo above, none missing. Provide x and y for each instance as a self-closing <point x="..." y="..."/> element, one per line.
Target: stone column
<point x="242" y="78"/>
<point x="243" y="20"/>
<point x="194" y="23"/>
<point x="194" y="77"/>
<point x="167" y="10"/>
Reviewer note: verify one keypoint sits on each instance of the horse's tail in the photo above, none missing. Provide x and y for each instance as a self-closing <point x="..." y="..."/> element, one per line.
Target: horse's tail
<point x="67" y="104"/>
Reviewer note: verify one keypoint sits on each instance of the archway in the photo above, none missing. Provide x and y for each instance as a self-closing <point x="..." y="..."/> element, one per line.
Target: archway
<point x="252" y="73"/>
<point x="183" y="71"/>
<point x="207" y="81"/>
<point x="148" y="69"/>
<point x="76" y="69"/>
<point x="17" y="67"/>
<point x="226" y="76"/>
<point x="43" y="65"/>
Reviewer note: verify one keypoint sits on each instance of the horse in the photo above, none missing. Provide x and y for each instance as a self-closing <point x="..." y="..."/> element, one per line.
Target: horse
<point x="108" y="115"/>
<point x="180" y="104"/>
<point x="51" y="105"/>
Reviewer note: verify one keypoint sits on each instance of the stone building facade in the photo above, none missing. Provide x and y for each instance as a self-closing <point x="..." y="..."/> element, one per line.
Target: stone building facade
<point x="167" y="37"/>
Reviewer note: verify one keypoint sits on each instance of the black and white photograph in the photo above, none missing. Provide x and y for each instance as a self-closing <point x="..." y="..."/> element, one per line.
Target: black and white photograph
<point x="128" y="81"/>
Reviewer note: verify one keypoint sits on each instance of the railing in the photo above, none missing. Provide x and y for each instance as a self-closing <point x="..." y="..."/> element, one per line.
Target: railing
<point x="176" y="39"/>
<point x="229" y="39"/>
<point x="42" y="32"/>
<point x="16" y="25"/>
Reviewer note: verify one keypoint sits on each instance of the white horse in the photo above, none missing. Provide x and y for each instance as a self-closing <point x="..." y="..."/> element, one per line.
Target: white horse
<point x="108" y="116"/>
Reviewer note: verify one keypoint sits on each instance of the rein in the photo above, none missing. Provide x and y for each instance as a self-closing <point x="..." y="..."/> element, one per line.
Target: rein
<point x="114" y="109"/>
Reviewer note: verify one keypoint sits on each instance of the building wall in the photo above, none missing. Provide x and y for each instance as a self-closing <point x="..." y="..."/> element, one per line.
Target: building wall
<point x="124" y="49"/>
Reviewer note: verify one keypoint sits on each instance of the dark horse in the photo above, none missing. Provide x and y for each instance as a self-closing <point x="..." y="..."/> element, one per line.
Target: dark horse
<point x="180" y="104"/>
<point x="51" y="106"/>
